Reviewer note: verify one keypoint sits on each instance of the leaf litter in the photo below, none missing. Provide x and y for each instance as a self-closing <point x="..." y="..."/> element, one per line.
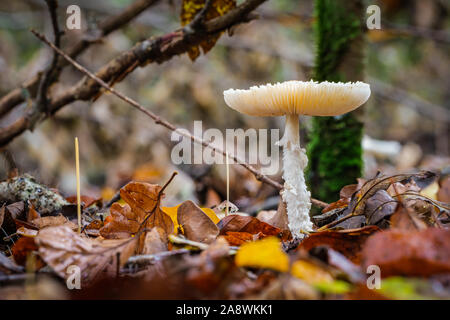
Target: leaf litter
<point x="187" y="251"/>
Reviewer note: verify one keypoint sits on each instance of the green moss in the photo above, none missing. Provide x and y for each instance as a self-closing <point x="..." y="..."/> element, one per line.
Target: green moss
<point x="334" y="151"/>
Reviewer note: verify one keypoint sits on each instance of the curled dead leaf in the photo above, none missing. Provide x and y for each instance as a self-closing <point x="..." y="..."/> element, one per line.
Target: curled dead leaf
<point x="196" y="224"/>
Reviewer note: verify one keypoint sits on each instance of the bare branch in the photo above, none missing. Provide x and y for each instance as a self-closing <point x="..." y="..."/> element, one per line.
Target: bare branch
<point x="158" y="120"/>
<point x="52" y="71"/>
<point x="16" y="96"/>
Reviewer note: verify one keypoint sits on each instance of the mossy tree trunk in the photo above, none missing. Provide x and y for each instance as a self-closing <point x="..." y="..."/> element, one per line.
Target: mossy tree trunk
<point x="334" y="151"/>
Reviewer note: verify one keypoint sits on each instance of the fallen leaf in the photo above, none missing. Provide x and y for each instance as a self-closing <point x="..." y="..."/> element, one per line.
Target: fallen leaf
<point x="444" y="190"/>
<point x="403" y="219"/>
<point x="161" y="220"/>
<point x="338" y="261"/>
<point x="340" y="204"/>
<point x="358" y="202"/>
<point x="211" y="268"/>
<point x="265" y="253"/>
<point x="141" y="197"/>
<point x="238" y="238"/>
<point x="121" y="223"/>
<point x="32" y="214"/>
<point x="430" y="191"/>
<point x="197" y="226"/>
<point x="62" y="248"/>
<point x="16" y="209"/>
<point x="409" y="253"/>
<point x="86" y="201"/>
<point x="247" y="224"/>
<point x="278" y="218"/>
<point x="173" y="211"/>
<point x="155" y="241"/>
<point x="347" y="242"/>
<point x="310" y="272"/>
<point x="52" y="221"/>
<point x="22" y="249"/>
<point x="8" y="266"/>
<point x="379" y="206"/>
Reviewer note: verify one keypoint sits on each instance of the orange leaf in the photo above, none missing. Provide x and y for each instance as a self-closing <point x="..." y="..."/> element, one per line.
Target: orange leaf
<point x="122" y="222"/>
<point x="238" y="238"/>
<point x="246" y="224"/>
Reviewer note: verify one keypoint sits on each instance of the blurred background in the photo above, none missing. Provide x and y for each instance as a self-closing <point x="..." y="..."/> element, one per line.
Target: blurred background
<point x="406" y="119"/>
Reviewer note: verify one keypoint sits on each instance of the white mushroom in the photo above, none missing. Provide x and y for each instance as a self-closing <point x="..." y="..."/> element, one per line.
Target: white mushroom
<point x="292" y="99"/>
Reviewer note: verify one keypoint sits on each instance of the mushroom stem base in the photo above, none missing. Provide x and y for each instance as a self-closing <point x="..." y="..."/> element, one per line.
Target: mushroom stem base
<point x="295" y="194"/>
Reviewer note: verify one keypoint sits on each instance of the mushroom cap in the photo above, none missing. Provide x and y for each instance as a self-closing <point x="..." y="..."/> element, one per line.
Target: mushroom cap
<point x="299" y="97"/>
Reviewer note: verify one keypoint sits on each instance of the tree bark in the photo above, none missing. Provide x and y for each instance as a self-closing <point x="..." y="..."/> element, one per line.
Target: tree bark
<point x="335" y="151"/>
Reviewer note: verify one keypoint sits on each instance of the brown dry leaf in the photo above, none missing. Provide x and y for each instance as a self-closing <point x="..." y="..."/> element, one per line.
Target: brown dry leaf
<point x="348" y="190"/>
<point x="443" y="194"/>
<point x="347" y="242"/>
<point x="398" y="188"/>
<point x="161" y="220"/>
<point x="155" y="241"/>
<point x="276" y="218"/>
<point x="211" y="268"/>
<point x="142" y="199"/>
<point x="32" y="214"/>
<point x="197" y="226"/>
<point x="340" y="204"/>
<point x="409" y="253"/>
<point x="2" y="215"/>
<point x="16" y="209"/>
<point x="86" y="201"/>
<point x="404" y="219"/>
<point x="358" y="202"/>
<point x="7" y="265"/>
<point x="238" y="238"/>
<point x="121" y="223"/>
<point x="379" y="206"/>
<point x="53" y="221"/>
<point x="190" y="8"/>
<point x="61" y="248"/>
<point x="247" y="224"/>
<point x="23" y="249"/>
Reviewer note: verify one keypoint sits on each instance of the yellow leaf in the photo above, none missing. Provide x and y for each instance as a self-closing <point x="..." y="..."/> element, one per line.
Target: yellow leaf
<point x="190" y="8"/>
<point x="431" y="191"/>
<point x="310" y="272"/>
<point x="107" y="193"/>
<point x="265" y="253"/>
<point x="172" y="213"/>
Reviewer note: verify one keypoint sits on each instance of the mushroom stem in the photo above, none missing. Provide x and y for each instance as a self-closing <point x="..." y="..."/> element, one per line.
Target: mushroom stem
<point x="295" y="194"/>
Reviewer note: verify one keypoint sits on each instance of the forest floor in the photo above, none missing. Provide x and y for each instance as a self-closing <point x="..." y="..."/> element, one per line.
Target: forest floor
<point x="385" y="238"/>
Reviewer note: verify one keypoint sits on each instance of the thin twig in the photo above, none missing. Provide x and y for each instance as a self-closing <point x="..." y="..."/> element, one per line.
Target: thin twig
<point x="52" y="72"/>
<point x="110" y="24"/>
